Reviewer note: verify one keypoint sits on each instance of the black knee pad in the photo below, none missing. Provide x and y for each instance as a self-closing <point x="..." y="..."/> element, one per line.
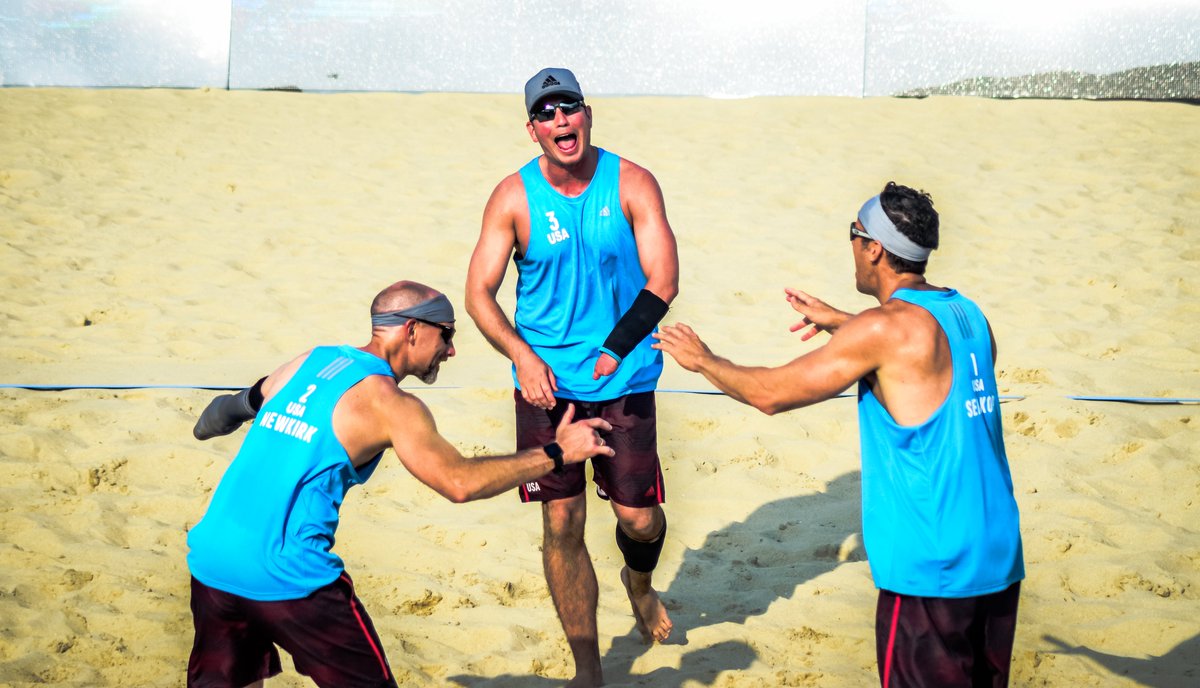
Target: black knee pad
<point x="641" y="556"/>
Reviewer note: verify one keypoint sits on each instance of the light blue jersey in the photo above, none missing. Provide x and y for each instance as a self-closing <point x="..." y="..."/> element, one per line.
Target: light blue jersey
<point x="939" y="517"/>
<point x="270" y="527"/>
<point x="579" y="275"/>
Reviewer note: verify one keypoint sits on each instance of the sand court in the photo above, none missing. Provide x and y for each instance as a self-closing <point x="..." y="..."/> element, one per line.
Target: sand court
<point x="159" y="237"/>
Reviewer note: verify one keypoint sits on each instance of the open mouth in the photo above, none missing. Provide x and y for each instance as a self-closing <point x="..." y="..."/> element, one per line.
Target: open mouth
<point x="566" y="142"/>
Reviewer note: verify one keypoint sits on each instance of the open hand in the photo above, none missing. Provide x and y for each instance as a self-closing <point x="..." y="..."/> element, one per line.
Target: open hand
<point x="820" y="315"/>
<point x="684" y="346"/>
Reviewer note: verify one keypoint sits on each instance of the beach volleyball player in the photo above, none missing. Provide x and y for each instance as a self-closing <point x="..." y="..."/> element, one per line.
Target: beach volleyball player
<point x="596" y="269"/>
<point x="940" y="523"/>
<point x="263" y="573"/>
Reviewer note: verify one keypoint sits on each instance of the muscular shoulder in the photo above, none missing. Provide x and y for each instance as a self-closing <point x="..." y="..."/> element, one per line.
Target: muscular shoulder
<point x="370" y="408"/>
<point x="902" y="333"/>
<point x="507" y="199"/>
<point x="636" y="176"/>
<point x="641" y="197"/>
<point x="871" y="329"/>
<point x="893" y="322"/>
<point x="379" y="394"/>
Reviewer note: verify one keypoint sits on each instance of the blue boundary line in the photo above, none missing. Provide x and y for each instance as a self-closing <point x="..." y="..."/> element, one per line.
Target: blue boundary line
<point x="1138" y="400"/>
<point x="707" y="392"/>
<point x="704" y="392"/>
<point x="215" y="388"/>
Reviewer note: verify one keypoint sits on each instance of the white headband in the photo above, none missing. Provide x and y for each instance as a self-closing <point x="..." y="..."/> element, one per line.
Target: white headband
<point x="881" y="229"/>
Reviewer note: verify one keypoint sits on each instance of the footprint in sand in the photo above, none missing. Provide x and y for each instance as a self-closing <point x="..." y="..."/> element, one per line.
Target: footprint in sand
<point x="422" y="606"/>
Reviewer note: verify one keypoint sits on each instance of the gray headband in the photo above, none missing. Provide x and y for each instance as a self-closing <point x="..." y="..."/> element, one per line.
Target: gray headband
<point x="438" y="310"/>
<point x="881" y="229"/>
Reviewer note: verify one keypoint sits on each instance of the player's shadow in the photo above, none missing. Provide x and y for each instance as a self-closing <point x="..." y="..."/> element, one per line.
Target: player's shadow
<point x="744" y="567"/>
<point x="701" y="666"/>
<point x="738" y="572"/>
<point x="1177" y="668"/>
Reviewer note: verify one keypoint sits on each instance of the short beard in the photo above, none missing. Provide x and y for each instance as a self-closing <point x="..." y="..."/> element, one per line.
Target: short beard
<point x="429" y="376"/>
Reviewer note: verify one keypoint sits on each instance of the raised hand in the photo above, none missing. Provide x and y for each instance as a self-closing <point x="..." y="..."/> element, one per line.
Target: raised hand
<point x="684" y="346"/>
<point x="820" y="315"/>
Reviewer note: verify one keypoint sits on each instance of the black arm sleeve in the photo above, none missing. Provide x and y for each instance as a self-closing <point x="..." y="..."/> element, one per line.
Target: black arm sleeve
<point x="227" y="412"/>
<point x="638" y="321"/>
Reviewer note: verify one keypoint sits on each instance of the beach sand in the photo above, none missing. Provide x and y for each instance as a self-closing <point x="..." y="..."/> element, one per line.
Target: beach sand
<point x="157" y="237"/>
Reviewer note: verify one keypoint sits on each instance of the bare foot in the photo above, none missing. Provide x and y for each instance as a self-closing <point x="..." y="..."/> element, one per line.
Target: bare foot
<point x="585" y="682"/>
<point x="648" y="611"/>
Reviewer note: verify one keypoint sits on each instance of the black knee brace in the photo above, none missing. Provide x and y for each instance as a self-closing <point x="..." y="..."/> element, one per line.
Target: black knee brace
<point x="641" y="556"/>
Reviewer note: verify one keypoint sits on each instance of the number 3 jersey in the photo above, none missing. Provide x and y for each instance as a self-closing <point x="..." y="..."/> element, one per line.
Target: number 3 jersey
<point x="939" y="517"/>
<point x="578" y="276"/>
<point x="269" y="529"/>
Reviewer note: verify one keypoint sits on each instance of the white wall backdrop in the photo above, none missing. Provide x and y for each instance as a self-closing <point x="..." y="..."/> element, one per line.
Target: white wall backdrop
<point x="719" y="48"/>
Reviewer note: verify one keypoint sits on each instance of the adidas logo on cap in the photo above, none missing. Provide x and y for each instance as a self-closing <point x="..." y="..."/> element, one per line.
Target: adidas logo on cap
<point x="548" y="81"/>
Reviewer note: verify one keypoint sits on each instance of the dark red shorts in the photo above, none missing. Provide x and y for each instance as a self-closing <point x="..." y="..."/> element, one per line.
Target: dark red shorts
<point x="945" y="642"/>
<point x="631" y="478"/>
<point x="328" y="634"/>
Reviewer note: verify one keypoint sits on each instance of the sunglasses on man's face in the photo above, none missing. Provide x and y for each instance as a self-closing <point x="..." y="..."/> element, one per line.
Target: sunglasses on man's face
<point x="546" y="114"/>
<point x="447" y="330"/>
<point x="856" y="232"/>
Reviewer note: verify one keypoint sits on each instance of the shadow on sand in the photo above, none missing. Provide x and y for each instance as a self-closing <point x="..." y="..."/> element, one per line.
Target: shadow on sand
<point x="1179" y="668"/>
<point x="737" y="573"/>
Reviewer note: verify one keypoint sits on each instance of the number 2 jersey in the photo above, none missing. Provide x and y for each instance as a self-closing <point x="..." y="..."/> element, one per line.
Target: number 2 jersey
<point x="269" y="530"/>
<point x="578" y="276"/>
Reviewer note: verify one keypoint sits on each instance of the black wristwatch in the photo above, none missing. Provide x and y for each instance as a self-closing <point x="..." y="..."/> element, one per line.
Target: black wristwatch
<point x="555" y="453"/>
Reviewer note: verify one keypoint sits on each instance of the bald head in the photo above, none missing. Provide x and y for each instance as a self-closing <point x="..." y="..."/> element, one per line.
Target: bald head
<point x="402" y="295"/>
<point x="395" y="341"/>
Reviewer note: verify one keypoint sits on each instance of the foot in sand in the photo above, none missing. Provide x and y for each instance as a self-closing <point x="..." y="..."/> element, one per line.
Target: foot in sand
<point x="585" y="682"/>
<point x="648" y="611"/>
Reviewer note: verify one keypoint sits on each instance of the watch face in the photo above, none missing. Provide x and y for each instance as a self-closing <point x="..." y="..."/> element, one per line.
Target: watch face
<point x="555" y="452"/>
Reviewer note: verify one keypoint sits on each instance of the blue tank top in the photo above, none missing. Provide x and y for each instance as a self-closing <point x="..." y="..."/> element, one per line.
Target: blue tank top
<point x="939" y="517"/>
<point x="579" y="275"/>
<point x="269" y="529"/>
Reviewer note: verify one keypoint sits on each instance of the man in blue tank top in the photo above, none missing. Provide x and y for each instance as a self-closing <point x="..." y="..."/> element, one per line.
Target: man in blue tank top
<point x="940" y="522"/>
<point x="263" y="570"/>
<point x="596" y="269"/>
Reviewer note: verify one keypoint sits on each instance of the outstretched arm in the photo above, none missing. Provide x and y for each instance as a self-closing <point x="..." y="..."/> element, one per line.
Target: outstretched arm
<point x="818" y="375"/>
<point x="226" y="412"/>
<point x="436" y="463"/>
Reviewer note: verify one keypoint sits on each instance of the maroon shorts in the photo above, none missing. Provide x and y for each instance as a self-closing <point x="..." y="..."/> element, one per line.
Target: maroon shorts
<point x="630" y="478"/>
<point x="328" y="634"/>
<point x="945" y="642"/>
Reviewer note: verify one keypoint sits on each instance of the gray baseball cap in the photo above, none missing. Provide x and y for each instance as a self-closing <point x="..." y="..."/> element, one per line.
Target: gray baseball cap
<point x="551" y="81"/>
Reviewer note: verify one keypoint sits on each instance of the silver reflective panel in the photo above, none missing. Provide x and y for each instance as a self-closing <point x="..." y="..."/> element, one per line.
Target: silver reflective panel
<point x="1034" y="48"/>
<point x="717" y="48"/>
<point x="698" y="47"/>
<point x="130" y="43"/>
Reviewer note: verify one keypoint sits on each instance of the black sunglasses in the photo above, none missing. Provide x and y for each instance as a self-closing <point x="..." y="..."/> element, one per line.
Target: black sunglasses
<point x="856" y="232"/>
<point x="447" y="330"/>
<point x="546" y="114"/>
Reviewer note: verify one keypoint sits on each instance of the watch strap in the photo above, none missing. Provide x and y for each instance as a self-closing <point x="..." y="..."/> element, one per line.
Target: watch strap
<point x="555" y="453"/>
